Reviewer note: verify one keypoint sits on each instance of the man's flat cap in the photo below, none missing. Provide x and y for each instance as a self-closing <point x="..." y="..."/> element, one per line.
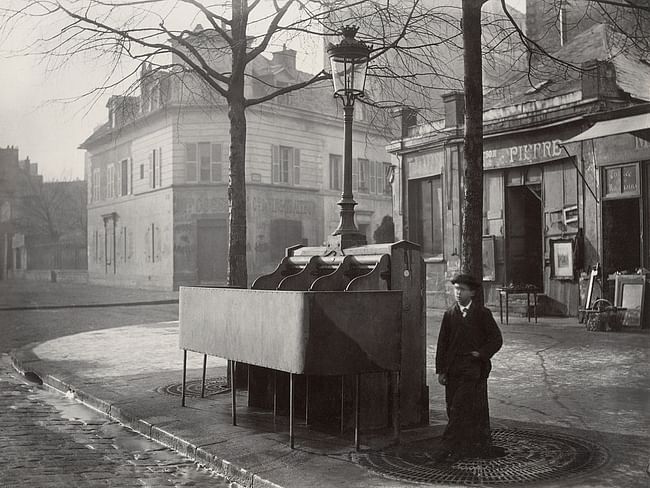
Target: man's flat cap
<point x="466" y="279"/>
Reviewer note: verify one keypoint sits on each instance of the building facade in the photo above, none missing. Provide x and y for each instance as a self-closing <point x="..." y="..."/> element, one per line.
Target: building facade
<point x="158" y="175"/>
<point x="546" y="206"/>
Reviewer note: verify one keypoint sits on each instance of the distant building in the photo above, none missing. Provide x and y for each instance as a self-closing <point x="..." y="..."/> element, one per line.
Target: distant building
<point x="157" y="176"/>
<point x="42" y="224"/>
<point x="15" y="187"/>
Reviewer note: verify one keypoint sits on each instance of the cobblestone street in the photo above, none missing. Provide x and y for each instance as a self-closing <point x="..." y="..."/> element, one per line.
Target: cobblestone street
<point x="50" y="441"/>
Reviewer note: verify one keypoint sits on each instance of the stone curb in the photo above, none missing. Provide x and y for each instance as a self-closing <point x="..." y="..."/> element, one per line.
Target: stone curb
<point x="25" y="361"/>
<point x="91" y="305"/>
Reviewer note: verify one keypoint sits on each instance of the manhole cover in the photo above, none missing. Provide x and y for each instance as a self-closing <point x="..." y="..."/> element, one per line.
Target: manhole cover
<point x="530" y="456"/>
<point x="213" y="386"/>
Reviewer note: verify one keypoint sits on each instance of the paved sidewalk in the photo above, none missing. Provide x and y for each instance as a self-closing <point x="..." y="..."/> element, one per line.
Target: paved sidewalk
<point x="550" y="378"/>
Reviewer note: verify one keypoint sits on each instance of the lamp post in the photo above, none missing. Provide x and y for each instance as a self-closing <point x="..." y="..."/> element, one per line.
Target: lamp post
<point x="349" y="60"/>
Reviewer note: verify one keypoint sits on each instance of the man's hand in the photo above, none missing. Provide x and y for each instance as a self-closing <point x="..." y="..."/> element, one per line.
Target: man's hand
<point x="442" y="379"/>
<point x="475" y="354"/>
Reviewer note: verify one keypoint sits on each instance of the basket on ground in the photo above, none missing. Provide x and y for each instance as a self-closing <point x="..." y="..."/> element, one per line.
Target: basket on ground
<point x="604" y="316"/>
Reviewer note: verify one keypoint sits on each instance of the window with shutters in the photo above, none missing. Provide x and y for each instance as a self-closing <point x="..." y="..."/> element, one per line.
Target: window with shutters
<point x="364" y="175"/>
<point x="205" y="159"/>
<point x="285" y="165"/>
<point x="373" y="177"/>
<point x="386" y="187"/>
<point x="125" y="177"/>
<point x="216" y="163"/>
<point x="336" y="171"/>
<point x="110" y="181"/>
<point x="203" y="162"/>
<point x="153" y="164"/>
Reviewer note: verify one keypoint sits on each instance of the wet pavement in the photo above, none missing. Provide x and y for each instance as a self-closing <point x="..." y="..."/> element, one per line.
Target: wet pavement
<point x="50" y="440"/>
<point x="575" y="400"/>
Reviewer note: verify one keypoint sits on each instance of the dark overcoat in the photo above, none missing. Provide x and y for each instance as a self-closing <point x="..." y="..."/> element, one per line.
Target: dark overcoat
<point x="468" y="430"/>
<point x="459" y="336"/>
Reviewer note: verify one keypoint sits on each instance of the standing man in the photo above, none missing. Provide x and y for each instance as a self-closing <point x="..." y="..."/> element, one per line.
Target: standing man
<point x="468" y="338"/>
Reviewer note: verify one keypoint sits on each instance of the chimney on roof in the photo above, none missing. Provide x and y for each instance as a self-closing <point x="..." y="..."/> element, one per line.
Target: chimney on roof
<point x="454" y="109"/>
<point x="286" y="58"/>
<point x="599" y="80"/>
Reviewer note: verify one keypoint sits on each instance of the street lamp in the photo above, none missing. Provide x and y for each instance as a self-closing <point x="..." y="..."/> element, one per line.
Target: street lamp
<point x="349" y="60"/>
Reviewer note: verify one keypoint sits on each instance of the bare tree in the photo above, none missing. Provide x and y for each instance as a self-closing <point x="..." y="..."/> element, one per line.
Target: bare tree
<point x="219" y="57"/>
<point x="51" y="209"/>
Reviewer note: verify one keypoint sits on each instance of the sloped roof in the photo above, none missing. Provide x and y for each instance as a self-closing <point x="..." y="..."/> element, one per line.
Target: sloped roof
<point x="548" y="77"/>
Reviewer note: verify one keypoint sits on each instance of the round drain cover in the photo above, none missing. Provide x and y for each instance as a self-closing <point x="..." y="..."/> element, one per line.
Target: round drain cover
<point x="213" y="386"/>
<point x="530" y="456"/>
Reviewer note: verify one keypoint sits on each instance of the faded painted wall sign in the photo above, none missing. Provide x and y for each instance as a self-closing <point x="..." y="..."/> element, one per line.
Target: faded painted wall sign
<point x="533" y="153"/>
<point x="200" y="204"/>
<point x="425" y="164"/>
<point x="281" y="206"/>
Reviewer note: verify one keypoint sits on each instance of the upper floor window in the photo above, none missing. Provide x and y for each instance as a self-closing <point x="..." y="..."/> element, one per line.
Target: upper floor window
<point x="110" y="181"/>
<point x="364" y="176"/>
<point x="96" y="183"/>
<point x="286" y="165"/>
<point x="203" y="162"/>
<point x="386" y="175"/>
<point x="155" y="168"/>
<point x="124" y="169"/>
<point x="336" y="171"/>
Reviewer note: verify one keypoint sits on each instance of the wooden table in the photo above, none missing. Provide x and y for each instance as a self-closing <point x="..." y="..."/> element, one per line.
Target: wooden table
<point x="518" y="289"/>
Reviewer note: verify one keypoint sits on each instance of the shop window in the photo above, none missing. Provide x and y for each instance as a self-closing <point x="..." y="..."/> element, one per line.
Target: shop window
<point x="426" y="215"/>
<point x="621" y="181"/>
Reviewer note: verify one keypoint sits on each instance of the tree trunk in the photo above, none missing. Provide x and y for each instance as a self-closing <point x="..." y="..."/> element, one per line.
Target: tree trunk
<point x="237" y="270"/>
<point x="472" y="231"/>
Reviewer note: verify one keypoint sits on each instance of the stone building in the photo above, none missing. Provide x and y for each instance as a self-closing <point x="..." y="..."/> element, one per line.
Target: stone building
<point x="158" y="170"/>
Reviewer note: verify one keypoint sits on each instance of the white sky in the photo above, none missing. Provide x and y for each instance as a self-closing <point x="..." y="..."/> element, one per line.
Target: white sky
<point x="33" y="117"/>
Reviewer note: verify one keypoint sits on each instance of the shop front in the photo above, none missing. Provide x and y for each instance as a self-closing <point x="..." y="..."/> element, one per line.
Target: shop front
<point x="618" y="150"/>
<point x="532" y="201"/>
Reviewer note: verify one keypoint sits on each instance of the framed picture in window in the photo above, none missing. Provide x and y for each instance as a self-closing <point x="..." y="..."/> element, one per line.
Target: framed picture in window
<point x="562" y="259"/>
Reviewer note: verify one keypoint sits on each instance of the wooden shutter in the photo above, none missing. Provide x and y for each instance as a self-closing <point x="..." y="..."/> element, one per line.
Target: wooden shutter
<point x="160" y="166"/>
<point x="130" y="176"/>
<point x="151" y="170"/>
<point x="216" y="162"/>
<point x="296" y="166"/>
<point x="118" y="180"/>
<point x="275" y="163"/>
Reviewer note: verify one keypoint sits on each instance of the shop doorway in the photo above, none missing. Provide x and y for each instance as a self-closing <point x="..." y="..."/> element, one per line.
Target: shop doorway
<point x="525" y="252"/>
<point x="621" y="235"/>
<point x="212" y="251"/>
